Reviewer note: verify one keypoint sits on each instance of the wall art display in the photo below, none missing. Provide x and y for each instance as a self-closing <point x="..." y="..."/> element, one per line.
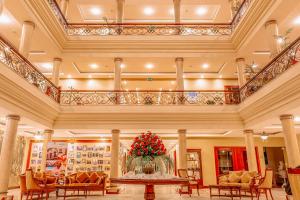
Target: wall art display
<point x="56" y="157"/>
<point x="35" y="157"/>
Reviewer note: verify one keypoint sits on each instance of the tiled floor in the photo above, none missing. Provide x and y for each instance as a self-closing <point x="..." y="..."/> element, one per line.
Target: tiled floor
<point x="162" y="193"/>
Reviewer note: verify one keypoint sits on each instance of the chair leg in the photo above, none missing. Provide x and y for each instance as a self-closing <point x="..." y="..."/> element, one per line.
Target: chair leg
<point x="21" y="196"/>
<point x="198" y="190"/>
<point x="266" y="192"/>
<point x="270" y="190"/>
<point x="258" y="194"/>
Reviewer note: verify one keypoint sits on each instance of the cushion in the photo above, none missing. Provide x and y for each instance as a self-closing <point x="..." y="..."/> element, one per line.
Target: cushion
<point x="223" y="179"/>
<point x="93" y="178"/>
<point x="82" y="177"/>
<point x="233" y="178"/>
<point x="72" y="179"/>
<point x="245" y="178"/>
<point x="253" y="173"/>
<point x="238" y="173"/>
<point x="51" y="180"/>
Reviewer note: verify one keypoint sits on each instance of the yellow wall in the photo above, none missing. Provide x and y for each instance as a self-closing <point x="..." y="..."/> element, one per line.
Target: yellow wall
<point x="207" y="152"/>
<point x="107" y="84"/>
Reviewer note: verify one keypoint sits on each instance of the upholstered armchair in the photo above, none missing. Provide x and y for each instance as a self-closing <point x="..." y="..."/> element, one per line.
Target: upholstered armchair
<point x="23" y="189"/>
<point x="193" y="183"/>
<point x="265" y="184"/>
<point x="32" y="187"/>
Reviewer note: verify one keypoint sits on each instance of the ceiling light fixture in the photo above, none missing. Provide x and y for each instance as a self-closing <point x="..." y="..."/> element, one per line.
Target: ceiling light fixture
<point x="297" y="21"/>
<point x="69" y="76"/>
<point x="93" y="66"/>
<point x="122" y="66"/>
<point x="254" y="65"/>
<point x="4" y="19"/>
<point x="149" y="11"/>
<point x="201" y="11"/>
<point x="264" y="137"/>
<point x="95" y="11"/>
<point x="46" y="65"/>
<point x="297" y="119"/>
<point x="280" y="40"/>
<point x="171" y="11"/>
<point x="149" y="66"/>
<point x="220" y="76"/>
<point x="173" y="82"/>
<point x="205" y="66"/>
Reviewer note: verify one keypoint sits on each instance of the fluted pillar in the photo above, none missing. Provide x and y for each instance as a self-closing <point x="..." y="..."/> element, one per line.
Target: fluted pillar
<point x="26" y="37"/>
<point x="241" y="68"/>
<point x="55" y="71"/>
<point x="117" y="73"/>
<point x="64" y="4"/>
<point x="250" y="148"/>
<point x="120" y="11"/>
<point x="272" y="31"/>
<point x="182" y="149"/>
<point x="177" y="9"/>
<point x="115" y="146"/>
<point x="1" y="6"/>
<point x="179" y="74"/>
<point x="47" y="137"/>
<point x="6" y="157"/>
<point x="290" y="139"/>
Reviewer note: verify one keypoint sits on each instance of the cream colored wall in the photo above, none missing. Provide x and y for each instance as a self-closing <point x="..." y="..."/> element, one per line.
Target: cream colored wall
<point x="208" y="157"/>
<point x="107" y="84"/>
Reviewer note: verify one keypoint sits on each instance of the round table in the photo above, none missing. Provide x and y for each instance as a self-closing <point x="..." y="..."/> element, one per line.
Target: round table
<point x="149" y="184"/>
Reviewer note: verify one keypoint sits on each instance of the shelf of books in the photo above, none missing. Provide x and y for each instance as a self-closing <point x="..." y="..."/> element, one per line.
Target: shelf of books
<point x="66" y="157"/>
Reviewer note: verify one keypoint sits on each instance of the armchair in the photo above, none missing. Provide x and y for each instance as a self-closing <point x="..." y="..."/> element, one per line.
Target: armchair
<point x="265" y="184"/>
<point x="193" y="183"/>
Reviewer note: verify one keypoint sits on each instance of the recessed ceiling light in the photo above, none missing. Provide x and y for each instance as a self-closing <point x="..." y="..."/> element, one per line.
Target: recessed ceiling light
<point x="69" y="76"/>
<point x="46" y="65"/>
<point x="4" y="19"/>
<point x="297" y="21"/>
<point x="173" y="82"/>
<point x="171" y="11"/>
<point x="170" y="90"/>
<point x="201" y="11"/>
<point x="122" y="65"/>
<point x="149" y="11"/>
<point x="297" y="119"/>
<point x="220" y="76"/>
<point x="261" y="52"/>
<point x="95" y="11"/>
<point x="93" y="66"/>
<point x="125" y="82"/>
<point x="254" y="65"/>
<point x="160" y="89"/>
<point x="149" y="65"/>
<point x="205" y="65"/>
<point x="280" y="40"/>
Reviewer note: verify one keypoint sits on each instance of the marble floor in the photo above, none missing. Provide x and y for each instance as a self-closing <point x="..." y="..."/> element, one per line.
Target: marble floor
<point x="162" y="193"/>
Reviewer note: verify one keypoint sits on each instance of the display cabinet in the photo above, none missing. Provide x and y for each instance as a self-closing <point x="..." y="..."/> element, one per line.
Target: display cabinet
<point x="194" y="164"/>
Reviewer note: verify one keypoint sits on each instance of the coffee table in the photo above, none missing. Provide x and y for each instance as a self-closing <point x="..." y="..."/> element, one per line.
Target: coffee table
<point x="234" y="191"/>
<point x="72" y="187"/>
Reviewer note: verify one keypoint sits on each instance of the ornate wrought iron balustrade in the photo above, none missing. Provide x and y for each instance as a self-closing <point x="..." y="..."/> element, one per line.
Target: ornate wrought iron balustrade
<point x="81" y="98"/>
<point x="185" y="29"/>
<point x="281" y="63"/>
<point x="20" y="65"/>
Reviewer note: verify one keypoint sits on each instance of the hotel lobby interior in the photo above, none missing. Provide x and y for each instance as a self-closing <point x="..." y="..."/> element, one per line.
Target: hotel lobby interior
<point x="150" y="99"/>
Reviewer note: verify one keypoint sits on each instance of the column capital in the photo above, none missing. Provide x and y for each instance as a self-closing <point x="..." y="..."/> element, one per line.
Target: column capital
<point x="181" y="131"/>
<point x="286" y="116"/>
<point x="248" y="131"/>
<point x="118" y="59"/>
<point x="179" y="59"/>
<point x="115" y="131"/>
<point x="57" y="59"/>
<point x="240" y="60"/>
<point x="270" y="22"/>
<point x="30" y="23"/>
<point x="13" y="117"/>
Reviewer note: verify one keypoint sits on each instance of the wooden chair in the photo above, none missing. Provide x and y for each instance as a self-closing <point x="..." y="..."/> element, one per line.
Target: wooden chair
<point x="23" y="189"/>
<point x="193" y="183"/>
<point x="33" y="188"/>
<point x="265" y="184"/>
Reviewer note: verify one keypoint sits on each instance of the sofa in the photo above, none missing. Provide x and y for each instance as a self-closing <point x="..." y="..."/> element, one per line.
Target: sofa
<point x="92" y="181"/>
<point x="245" y="179"/>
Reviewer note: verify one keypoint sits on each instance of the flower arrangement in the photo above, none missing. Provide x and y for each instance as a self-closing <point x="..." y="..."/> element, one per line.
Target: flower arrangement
<point x="149" y="153"/>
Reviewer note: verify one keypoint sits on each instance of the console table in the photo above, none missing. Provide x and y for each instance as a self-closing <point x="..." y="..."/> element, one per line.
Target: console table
<point x="149" y="184"/>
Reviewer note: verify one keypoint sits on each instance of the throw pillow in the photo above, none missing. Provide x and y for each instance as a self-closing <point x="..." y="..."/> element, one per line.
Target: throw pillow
<point x="72" y="179"/>
<point x="245" y="178"/>
<point x="223" y="179"/>
<point x="233" y="178"/>
<point x="93" y="178"/>
<point x="82" y="177"/>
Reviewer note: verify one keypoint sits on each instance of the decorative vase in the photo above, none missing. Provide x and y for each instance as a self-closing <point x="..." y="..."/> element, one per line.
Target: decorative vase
<point x="148" y="168"/>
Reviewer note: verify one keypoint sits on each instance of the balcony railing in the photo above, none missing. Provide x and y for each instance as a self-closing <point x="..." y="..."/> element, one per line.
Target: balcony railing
<point x="282" y="62"/>
<point x="20" y="65"/>
<point x="184" y="29"/>
<point x="202" y="98"/>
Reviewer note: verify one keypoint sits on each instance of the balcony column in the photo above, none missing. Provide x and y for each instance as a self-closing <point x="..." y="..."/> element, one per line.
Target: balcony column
<point x="241" y="68"/>
<point x="6" y="157"/>
<point x="47" y="137"/>
<point x="26" y="36"/>
<point x="55" y="71"/>
<point x="120" y="11"/>
<point x="115" y="146"/>
<point x="1" y="6"/>
<point x="179" y="74"/>
<point x="117" y="74"/>
<point x="272" y="31"/>
<point x="64" y="4"/>
<point x="182" y="149"/>
<point x="250" y="148"/>
<point x="292" y="150"/>
<point x="177" y="8"/>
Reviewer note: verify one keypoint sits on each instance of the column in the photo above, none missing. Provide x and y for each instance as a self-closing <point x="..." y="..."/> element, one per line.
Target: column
<point x="64" y="7"/>
<point x="241" y="68"/>
<point x="250" y="148"/>
<point x="290" y="139"/>
<point x="26" y="154"/>
<point x="272" y="31"/>
<point x="115" y="146"/>
<point x="47" y="137"/>
<point x="177" y="11"/>
<point x="182" y="149"/>
<point x="292" y="150"/>
<point x="6" y="156"/>
<point x="120" y="11"/>
<point x="55" y="71"/>
<point x="117" y="73"/>
<point x="1" y="6"/>
<point x="179" y="74"/>
<point x="26" y="36"/>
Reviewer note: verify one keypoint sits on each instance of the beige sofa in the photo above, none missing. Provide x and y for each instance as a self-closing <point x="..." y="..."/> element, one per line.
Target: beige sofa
<point x="245" y="179"/>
